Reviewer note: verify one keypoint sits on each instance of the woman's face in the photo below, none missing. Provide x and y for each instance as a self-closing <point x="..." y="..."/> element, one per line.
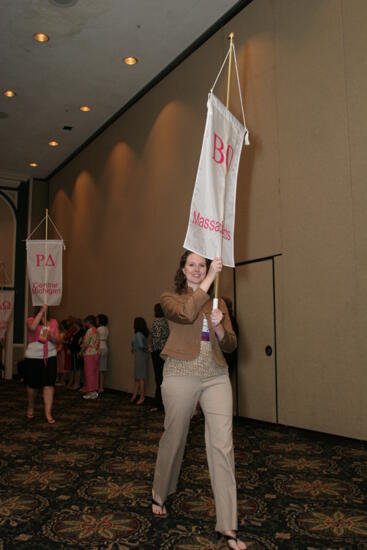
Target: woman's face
<point x="194" y="270"/>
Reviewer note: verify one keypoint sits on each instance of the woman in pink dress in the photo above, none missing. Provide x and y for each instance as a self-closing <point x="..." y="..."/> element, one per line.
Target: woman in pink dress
<point x="92" y="355"/>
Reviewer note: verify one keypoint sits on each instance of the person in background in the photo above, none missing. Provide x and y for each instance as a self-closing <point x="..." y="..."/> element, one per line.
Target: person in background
<point x="232" y="358"/>
<point x="139" y="346"/>
<point x="69" y="366"/>
<point x="76" y="355"/>
<point x="61" y="355"/>
<point x="195" y="370"/>
<point x="40" y="364"/>
<point x="158" y="338"/>
<point x="102" y="322"/>
<point x="91" y="355"/>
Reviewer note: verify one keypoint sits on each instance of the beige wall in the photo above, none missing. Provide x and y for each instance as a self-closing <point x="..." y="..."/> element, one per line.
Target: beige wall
<point x="39" y="198"/>
<point x="122" y="205"/>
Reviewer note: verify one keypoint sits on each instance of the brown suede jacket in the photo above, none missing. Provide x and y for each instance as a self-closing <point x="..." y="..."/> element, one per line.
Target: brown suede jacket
<point x="184" y="313"/>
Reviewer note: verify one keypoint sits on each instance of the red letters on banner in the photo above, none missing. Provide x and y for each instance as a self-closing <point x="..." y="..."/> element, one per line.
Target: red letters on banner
<point x="218" y="148"/>
<point x="211" y="225"/>
<point x="41" y="260"/>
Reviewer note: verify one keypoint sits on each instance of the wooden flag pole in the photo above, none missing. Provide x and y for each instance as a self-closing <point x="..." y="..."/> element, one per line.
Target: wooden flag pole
<point x="46" y="236"/>
<point x="231" y="37"/>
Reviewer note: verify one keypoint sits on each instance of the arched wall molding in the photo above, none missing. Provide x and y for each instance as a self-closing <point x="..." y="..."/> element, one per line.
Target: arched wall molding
<point x="10" y="269"/>
<point x="7" y="196"/>
<point x="15" y="193"/>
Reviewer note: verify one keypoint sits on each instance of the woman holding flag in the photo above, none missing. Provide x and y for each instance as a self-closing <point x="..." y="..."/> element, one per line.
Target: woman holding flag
<point x="40" y="365"/>
<point x="195" y="370"/>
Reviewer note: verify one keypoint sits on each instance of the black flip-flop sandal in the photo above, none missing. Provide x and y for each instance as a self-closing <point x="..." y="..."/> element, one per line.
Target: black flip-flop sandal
<point x="161" y="506"/>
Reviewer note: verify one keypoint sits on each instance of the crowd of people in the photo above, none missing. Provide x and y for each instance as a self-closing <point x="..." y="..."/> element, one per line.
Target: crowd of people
<point x="192" y="346"/>
<point x="82" y="354"/>
<point x="73" y="353"/>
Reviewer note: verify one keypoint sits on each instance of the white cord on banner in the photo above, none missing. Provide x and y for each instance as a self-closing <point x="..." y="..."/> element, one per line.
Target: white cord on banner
<point x="247" y="141"/>
<point x="57" y="231"/>
<point x="34" y="230"/>
<point x="221" y="69"/>
<point x="41" y="222"/>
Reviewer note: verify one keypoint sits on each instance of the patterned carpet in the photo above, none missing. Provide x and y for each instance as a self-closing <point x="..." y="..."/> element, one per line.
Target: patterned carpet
<point x="85" y="482"/>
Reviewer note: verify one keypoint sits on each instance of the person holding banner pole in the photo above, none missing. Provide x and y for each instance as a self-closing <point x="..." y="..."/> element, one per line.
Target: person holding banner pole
<point x="195" y="370"/>
<point x="40" y="365"/>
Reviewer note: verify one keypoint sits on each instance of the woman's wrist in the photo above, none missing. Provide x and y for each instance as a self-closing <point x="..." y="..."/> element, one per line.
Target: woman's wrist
<point x="207" y="282"/>
<point x="219" y="331"/>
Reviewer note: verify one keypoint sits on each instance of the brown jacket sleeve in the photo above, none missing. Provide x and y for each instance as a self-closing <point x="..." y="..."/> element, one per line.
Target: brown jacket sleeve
<point x="229" y="341"/>
<point x="183" y="308"/>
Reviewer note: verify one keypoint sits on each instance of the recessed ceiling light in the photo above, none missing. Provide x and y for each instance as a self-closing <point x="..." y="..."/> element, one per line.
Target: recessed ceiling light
<point x="10" y="93"/>
<point x="130" y="60"/>
<point x="33" y="164"/>
<point x="85" y="108"/>
<point x="41" y="37"/>
<point x="53" y="143"/>
<point x="63" y="3"/>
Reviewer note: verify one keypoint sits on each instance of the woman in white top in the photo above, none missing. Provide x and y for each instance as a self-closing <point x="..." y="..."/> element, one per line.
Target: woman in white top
<point x="102" y="322"/>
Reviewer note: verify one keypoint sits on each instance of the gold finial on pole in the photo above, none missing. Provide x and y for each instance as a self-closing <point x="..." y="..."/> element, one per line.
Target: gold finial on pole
<point x="230" y="37"/>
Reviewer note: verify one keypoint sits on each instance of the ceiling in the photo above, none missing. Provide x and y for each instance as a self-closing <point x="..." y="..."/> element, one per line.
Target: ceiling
<point x="82" y="64"/>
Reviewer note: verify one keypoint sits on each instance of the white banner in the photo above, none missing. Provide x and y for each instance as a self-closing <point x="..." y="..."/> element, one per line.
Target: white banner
<point x="6" y="308"/>
<point x="212" y="215"/>
<point x="44" y="262"/>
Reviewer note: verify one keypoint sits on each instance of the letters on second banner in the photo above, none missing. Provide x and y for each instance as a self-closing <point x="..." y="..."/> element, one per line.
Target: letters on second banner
<point x="44" y="263"/>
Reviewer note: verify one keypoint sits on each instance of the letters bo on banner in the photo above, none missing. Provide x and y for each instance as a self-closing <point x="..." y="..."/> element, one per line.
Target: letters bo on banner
<point x="212" y="214"/>
<point x="44" y="263"/>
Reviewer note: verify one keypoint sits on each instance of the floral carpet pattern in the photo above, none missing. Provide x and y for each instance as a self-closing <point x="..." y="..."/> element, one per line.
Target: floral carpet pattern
<point x="85" y="482"/>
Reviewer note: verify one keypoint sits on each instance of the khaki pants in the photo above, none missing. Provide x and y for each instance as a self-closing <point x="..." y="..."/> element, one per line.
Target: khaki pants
<point x="180" y="395"/>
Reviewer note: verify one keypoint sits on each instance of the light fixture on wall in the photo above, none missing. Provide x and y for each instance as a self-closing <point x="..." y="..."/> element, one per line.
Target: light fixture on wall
<point x="53" y="143"/>
<point x="33" y="164"/>
<point x="85" y="108"/>
<point x="9" y="93"/>
<point x="41" y="37"/>
<point x="130" y="60"/>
